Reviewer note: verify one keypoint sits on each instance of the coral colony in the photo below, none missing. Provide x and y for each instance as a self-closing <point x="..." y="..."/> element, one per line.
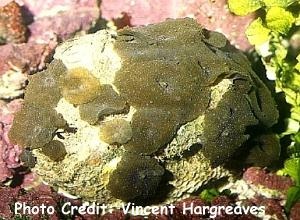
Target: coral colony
<point x="146" y="114"/>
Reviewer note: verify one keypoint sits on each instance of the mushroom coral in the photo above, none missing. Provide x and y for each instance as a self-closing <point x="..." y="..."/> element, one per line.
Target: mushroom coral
<point x="136" y="177"/>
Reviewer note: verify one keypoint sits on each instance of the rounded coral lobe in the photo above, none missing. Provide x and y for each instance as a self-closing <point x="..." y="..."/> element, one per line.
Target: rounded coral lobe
<point x="37" y="122"/>
<point x="116" y="131"/>
<point x="106" y="103"/>
<point x="33" y="126"/>
<point x="46" y="83"/>
<point x="135" y="178"/>
<point x="79" y="86"/>
<point x="152" y="128"/>
<point x="265" y="150"/>
<point x="55" y="150"/>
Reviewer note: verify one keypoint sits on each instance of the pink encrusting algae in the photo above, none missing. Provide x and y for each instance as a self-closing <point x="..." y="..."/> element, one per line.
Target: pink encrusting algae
<point x="44" y="33"/>
<point x="9" y="154"/>
<point x="261" y="177"/>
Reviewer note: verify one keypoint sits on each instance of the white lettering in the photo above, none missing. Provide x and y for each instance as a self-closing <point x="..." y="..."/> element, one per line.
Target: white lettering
<point x="21" y="208"/>
<point x="261" y="210"/>
<point x="213" y="211"/>
<point x="171" y="210"/>
<point x="246" y="209"/>
<point x="237" y="210"/>
<point x="34" y="210"/>
<point x="198" y="210"/>
<point x="187" y="209"/>
<point x="24" y="209"/>
<point x="50" y="210"/>
<point x="126" y="210"/>
<point x="229" y="210"/>
<point x="65" y="209"/>
<point x="18" y="206"/>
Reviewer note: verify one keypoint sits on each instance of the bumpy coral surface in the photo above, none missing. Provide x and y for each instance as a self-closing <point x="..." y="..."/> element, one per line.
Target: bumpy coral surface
<point x="142" y="113"/>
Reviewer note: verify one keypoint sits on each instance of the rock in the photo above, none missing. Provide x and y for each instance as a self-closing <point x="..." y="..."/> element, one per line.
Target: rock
<point x="189" y="97"/>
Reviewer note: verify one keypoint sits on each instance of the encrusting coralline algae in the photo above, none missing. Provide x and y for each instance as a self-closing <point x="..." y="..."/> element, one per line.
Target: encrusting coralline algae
<point x="145" y="113"/>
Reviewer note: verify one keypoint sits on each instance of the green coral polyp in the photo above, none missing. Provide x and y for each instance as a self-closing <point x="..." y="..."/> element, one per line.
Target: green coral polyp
<point x="225" y="126"/>
<point x="27" y="158"/>
<point x="175" y="79"/>
<point x="152" y="128"/>
<point x="36" y="123"/>
<point x="265" y="150"/>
